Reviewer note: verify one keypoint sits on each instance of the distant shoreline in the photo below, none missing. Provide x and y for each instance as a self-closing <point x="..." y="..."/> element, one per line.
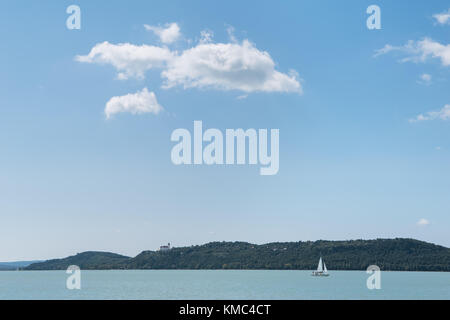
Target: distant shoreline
<point x="293" y="270"/>
<point x="352" y="255"/>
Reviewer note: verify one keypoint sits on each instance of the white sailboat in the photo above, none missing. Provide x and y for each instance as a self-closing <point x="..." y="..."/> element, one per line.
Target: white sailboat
<point x="321" y="269"/>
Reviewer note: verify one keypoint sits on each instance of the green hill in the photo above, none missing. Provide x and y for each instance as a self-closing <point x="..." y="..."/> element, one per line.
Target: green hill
<point x="89" y="260"/>
<point x="388" y="254"/>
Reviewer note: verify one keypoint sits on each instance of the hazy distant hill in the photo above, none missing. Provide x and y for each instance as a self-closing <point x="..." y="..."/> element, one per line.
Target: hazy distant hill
<point x="85" y="260"/>
<point x="16" y="264"/>
<point x="388" y="254"/>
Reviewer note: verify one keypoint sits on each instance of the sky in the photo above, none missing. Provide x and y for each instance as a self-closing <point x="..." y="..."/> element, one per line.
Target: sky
<point x="86" y="117"/>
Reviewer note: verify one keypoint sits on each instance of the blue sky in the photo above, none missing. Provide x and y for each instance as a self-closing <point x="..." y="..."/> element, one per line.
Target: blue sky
<point x="355" y="159"/>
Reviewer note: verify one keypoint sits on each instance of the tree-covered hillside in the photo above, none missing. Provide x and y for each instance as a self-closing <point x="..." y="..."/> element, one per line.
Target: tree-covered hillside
<point x="388" y="254"/>
<point x="89" y="260"/>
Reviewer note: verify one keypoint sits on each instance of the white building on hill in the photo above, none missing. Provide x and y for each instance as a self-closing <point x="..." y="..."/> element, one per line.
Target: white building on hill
<point x="165" y="248"/>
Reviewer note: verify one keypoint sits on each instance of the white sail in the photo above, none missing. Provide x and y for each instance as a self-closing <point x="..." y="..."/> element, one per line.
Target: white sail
<point x="320" y="266"/>
<point x="321" y="269"/>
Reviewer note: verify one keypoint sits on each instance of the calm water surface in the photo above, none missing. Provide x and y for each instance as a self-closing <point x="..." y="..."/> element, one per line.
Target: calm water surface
<point x="222" y="284"/>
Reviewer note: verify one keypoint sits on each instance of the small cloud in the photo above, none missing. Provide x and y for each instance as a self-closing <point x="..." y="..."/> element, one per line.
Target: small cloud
<point x="130" y="61"/>
<point x="386" y="49"/>
<point x="423" y="222"/>
<point x="438" y="148"/>
<point x="167" y="34"/>
<point x="443" y="114"/>
<point x="420" y="51"/>
<point x="206" y="36"/>
<point x="442" y="18"/>
<point x="135" y="103"/>
<point x="231" y="36"/>
<point x="242" y="97"/>
<point x="425" y="79"/>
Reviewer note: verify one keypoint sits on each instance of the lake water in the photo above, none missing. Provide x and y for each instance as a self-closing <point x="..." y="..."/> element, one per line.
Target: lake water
<point x="222" y="284"/>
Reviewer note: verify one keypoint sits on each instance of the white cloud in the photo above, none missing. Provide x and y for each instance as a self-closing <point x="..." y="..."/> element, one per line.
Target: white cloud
<point x="425" y="79"/>
<point x="443" y="114"/>
<point x="386" y="49"/>
<point x="423" y="222"/>
<point x="128" y="59"/>
<point x="136" y="103"/>
<point x="228" y="66"/>
<point x="231" y="36"/>
<point x="420" y="51"/>
<point x="434" y="49"/>
<point x="222" y="66"/>
<point x="206" y="36"/>
<point x="443" y="18"/>
<point x="169" y="34"/>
